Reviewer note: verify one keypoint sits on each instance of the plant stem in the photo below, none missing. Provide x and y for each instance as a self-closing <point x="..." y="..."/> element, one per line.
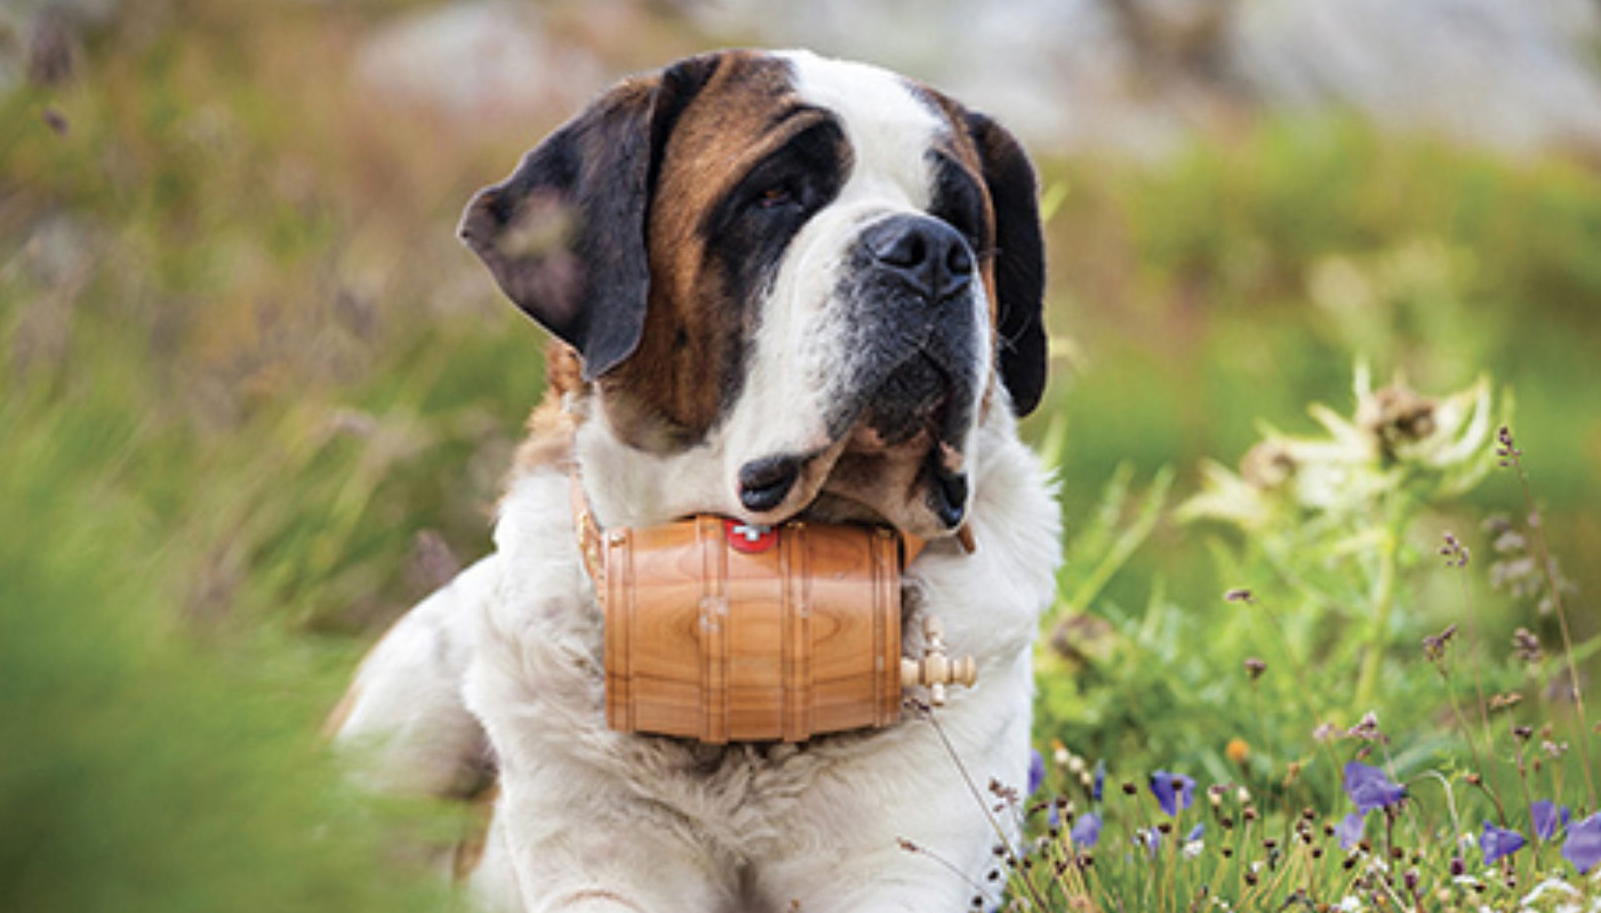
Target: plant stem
<point x="1485" y="767"/>
<point x="1000" y="832"/>
<point x="1537" y="527"/>
<point x="1486" y="772"/>
<point x="1383" y="604"/>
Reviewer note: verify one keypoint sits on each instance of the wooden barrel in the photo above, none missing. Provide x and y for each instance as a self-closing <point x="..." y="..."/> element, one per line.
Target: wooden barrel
<point x="722" y="632"/>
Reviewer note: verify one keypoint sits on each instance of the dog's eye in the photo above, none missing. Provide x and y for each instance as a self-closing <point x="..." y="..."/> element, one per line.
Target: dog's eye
<point x="777" y="197"/>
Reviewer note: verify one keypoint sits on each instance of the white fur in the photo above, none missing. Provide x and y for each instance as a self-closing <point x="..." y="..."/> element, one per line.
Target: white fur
<point x="589" y="819"/>
<point x="890" y="129"/>
<point x="405" y="698"/>
<point x="592" y="819"/>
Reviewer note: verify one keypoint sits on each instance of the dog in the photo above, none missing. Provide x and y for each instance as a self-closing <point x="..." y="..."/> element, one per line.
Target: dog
<point x="780" y="286"/>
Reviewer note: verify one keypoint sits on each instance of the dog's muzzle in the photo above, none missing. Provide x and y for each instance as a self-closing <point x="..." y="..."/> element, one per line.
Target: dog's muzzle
<point x="905" y="393"/>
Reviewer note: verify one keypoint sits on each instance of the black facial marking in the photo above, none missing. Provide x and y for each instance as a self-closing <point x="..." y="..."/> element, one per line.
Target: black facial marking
<point x="747" y="232"/>
<point x="959" y="201"/>
<point x="1019" y="262"/>
<point x="948" y="495"/>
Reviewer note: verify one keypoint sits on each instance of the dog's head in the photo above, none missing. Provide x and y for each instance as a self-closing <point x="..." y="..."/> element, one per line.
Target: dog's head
<point x="805" y="279"/>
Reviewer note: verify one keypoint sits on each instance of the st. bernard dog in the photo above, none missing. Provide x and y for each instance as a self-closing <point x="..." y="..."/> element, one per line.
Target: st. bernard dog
<point x="781" y="286"/>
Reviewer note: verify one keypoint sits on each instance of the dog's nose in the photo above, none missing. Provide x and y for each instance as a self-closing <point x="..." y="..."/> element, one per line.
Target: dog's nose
<point x="926" y="254"/>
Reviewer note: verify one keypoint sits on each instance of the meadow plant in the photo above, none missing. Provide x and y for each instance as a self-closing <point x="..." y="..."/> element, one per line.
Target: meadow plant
<point x="1469" y="803"/>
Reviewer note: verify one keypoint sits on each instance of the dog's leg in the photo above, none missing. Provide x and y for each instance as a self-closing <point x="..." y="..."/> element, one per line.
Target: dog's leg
<point x="579" y="833"/>
<point x="405" y="708"/>
<point x="491" y="880"/>
<point x="878" y="867"/>
<point x="601" y="855"/>
<point x="919" y="839"/>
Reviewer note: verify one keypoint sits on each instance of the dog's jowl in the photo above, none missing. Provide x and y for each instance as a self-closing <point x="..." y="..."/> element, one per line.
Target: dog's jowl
<point x="787" y="293"/>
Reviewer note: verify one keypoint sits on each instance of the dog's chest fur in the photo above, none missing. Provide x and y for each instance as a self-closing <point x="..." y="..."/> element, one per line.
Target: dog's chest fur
<point x="538" y="675"/>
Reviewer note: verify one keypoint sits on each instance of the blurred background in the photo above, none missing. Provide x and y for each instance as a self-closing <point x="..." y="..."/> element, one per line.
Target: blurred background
<point x="257" y="399"/>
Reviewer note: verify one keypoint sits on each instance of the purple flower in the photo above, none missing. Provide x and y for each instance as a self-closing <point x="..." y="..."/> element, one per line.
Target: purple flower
<point x="1548" y="818"/>
<point x="1196" y="832"/>
<point x="1173" y="791"/>
<point x="1350" y="828"/>
<point x="1036" y="771"/>
<point x="1100" y="779"/>
<point x="1369" y="788"/>
<point x="1583" y="848"/>
<point x="1148" y="837"/>
<point x="1086" y="831"/>
<point x="1497" y="842"/>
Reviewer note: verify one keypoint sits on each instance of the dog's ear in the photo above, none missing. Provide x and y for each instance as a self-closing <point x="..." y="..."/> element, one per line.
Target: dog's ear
<point x="564" y="235"/>
<point x="1019" y="262"/>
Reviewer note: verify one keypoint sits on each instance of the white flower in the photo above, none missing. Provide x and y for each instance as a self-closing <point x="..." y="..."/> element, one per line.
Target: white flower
<point x="1549" y="886"/>
<point x="1395" y="436"/>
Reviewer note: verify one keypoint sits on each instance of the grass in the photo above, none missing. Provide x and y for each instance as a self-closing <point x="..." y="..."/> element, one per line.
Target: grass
<point x="146" y="770"/>
<point x="256" y="401"/>
<point x="1478" y="738"/>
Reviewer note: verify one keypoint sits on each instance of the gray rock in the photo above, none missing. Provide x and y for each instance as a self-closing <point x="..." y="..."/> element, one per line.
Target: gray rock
<point x="1518" y="76"/>
<point x="1133" y="75"/>
<point x="476" y="58"/>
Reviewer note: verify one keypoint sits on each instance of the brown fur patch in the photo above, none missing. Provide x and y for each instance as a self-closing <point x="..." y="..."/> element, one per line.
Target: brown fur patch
<point x="674" y="386"/>
<point x="551" y="425"/>
<point x="475" y="832"/>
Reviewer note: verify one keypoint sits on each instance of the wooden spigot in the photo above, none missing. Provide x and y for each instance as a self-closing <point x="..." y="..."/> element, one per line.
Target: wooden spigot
<point x="937" y="669"/>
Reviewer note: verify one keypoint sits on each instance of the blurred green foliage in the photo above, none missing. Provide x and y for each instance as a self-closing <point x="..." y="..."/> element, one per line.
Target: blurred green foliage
<point x="246" y="366"/>
<point x="1237" y="281"/>
<point x="145" y="770"/>
<point x="1235" y="284"/>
